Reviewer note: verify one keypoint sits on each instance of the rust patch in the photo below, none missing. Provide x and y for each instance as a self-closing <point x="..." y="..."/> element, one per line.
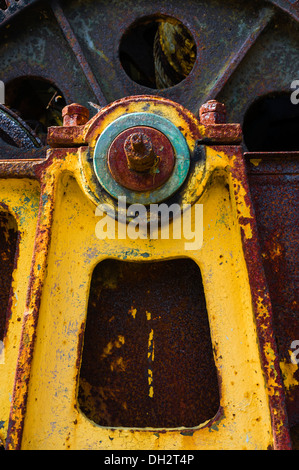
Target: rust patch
<point x="274" y="189"/>
<point x="65" y="136"/>
<point x="19" y="168"/>
<point x="162" y="154"/>
<point x="8" y="249"/>
<point x="147" y="357"/>
<point x="264" y="315"/>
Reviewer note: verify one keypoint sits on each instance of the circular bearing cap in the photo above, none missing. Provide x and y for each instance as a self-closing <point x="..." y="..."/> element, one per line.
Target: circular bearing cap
<point x="118" y="179"/>
<point x="142" y="160"/>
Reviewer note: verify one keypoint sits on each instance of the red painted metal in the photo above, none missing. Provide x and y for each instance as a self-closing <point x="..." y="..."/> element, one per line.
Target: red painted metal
<point x="161" y="166"/>
<point x="75" y="115"/>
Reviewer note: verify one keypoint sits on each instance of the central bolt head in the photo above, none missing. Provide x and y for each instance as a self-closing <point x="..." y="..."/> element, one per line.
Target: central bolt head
<point x="139" y="151"/>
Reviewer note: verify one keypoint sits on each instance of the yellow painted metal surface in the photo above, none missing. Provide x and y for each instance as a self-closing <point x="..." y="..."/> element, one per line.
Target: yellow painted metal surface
<point x="20" y="197"/>
<point x="66" y="253"/>
<point x="74" y="251"/>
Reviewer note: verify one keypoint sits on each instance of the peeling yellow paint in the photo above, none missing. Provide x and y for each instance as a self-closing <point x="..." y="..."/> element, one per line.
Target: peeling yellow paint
<point x="133" y="311"/>
<point x="148" y="315"/>
<point x="247" y="230"/>
<point x="272" y="384"/>
<point x="229" y="305"/>
<point x="275" y="251"/>
<point x="150" y="353"/>
<point x="150" y="381"/>
<point x="118" y="343"/>
<point x="118" y="365"/>
<point x="240" y="194"/>
<point x="255" y="161"/>
<point x="262" y="310"/>
<point x="21" y="197"/>
<point x="288" y="370"/>
<point x="150" y="356"/>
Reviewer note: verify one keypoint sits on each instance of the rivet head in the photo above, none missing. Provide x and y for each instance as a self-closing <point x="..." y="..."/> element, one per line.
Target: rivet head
<point x="75" y="115"/>
<point x="212" y="112"/>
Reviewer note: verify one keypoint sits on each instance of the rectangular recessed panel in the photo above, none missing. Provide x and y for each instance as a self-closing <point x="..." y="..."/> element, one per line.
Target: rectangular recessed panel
<point x="274" y="186"/>
<point x="147" y="357"/>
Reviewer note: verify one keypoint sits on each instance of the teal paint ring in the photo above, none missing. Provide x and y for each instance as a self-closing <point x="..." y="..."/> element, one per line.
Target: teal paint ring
<point x="127" y="121"/>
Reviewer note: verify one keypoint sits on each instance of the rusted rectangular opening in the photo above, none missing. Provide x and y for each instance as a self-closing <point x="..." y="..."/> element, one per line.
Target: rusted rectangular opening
<point x="8" y="246"/>
<point x="147" y="359"/>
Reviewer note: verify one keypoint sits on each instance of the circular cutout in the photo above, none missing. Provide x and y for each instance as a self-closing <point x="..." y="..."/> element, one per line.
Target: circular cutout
<point x="37" y="101"/>
<point x="157" y="52"/>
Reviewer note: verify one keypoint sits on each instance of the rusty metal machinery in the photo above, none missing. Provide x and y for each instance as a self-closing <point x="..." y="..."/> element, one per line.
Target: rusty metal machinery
<point x="93" y="331"/>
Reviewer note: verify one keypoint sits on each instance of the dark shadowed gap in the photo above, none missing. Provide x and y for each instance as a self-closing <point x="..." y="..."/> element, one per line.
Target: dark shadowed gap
<point x="271" y="124"/>
<point x="8" y="246"/>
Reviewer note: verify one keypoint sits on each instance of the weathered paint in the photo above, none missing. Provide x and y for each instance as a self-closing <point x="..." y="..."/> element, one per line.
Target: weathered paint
<point x="20" y="197"/>
<point x="73" y="252"/>
<point x="251" y="414"/>
<point x="274" y="191"/>
<point x="269" y="33"/>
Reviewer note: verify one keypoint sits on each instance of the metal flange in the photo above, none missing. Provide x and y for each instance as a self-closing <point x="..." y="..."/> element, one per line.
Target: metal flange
<point x="144" y="148"/>
<point x="151" y="187"/>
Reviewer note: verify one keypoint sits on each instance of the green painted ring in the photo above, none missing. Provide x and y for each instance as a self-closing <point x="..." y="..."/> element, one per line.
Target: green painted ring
<point x="176" y="138"/>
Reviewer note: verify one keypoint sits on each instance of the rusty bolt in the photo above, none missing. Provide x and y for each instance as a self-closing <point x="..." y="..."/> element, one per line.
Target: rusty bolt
<point x="75" y="115"/>
<point x="139" y="152"/>
<point x="212" y="112"/>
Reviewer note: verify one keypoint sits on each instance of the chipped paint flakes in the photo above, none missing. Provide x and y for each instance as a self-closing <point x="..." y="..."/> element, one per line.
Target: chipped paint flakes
<point x="148" y="315"/>
<point x="288" y="370"/>
<point x="247" y="230"/>
<point x="118" y="343"/>
<point x="270" y="356"/>
<point x="256" y="161"/>
<point x="150" y="356"/>
<point x="132" y="312"/>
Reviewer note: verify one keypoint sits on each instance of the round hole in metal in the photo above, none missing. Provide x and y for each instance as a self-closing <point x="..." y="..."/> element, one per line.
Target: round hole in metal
<point x="157" y="52"/>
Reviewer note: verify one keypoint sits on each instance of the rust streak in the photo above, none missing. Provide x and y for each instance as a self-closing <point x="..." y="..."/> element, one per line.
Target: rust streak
<point x="264" y="317"/>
